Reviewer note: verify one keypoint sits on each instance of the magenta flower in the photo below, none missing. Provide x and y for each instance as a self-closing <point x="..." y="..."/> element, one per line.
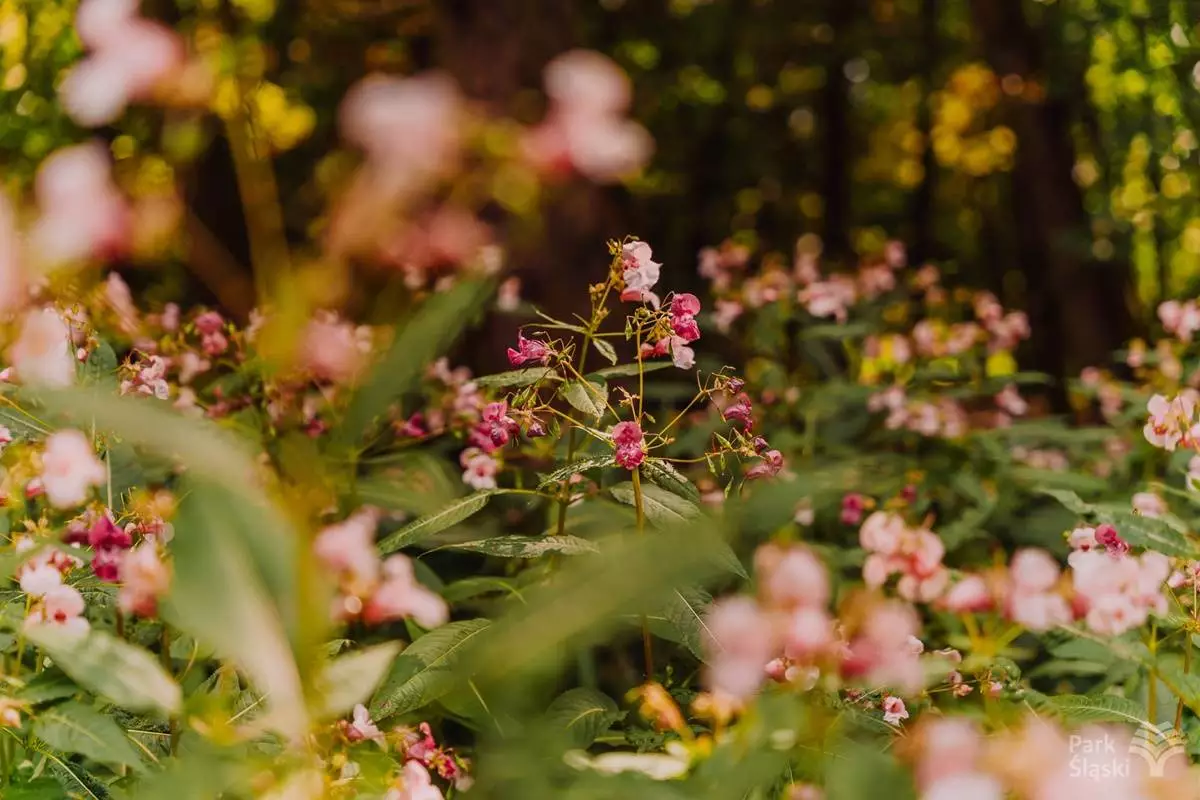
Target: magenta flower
<point x="104" y="535"/>
<point x="684" y="308"/>
<point x="528" y="350"/>
<point x="1107" y="536"/>
<point x="767" y="468"/>
<point x="630" y="444"/>
<point x="495" y="428"/>
<point x="852" y="509"/>
<point x="740" y="411"/>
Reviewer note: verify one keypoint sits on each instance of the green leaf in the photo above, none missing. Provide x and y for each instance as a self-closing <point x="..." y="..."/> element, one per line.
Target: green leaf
<point x="576" y="467"/>
<point x="527" y="546"/>
<point x="100" y="365"/>
<point x="438" y="521"/>
<point x="1080" y="709"/>
<point x="219" y="597"/>
<point x="1149" y="532"/>
<point x="586" y="396"/>
<point x="605" y="349"/>
<point x="429" y="331"/>
<point x="469" y="588"/>
<point x="77" y="728"/>
<point x="426" y="670"/>
<point x="20" y="423"/>
<point x="661" y="507"/>
<point x="1069" y="500"/>
<point x="627" y="370"/>
<point x="1183" y="684"/>
<point x="121" y="673"/>
<point x="50" y="684"/>
<point x="583" y="715"/>
<point x="684" y="615"/>
<point x="350" y="679"/>
<point x="861" y="770"/>
<point x="39" y="789"/>
<point x="664" y="474"/>
<point x="516" y="378"/>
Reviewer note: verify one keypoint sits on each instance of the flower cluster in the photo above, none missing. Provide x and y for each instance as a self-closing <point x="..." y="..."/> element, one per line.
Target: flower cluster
<point x="895" y="548"/>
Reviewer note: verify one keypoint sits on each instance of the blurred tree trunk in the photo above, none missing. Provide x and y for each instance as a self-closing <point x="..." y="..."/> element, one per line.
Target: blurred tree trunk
<point x="839" y="150"/>
<point x="1079" y="307"/>
<point x="923" y="241"/>
<point x="496" y="49"/>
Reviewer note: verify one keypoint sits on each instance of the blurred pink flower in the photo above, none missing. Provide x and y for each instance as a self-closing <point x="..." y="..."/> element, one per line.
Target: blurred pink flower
<point x="41" y="355"/>
<point x="70" y="468"/>
<point x="83" y="215"/>
<point x="894" y="710"/>
<point x="791" y="577"/>
<point x="330" y="349"/>
<point x="739" y="640"/>
<point x="144" y="579"/>
<point x="348" y="549"/>
<point x="479" y="469"/>
<point x="39" y="577"/>
<point x="60" y="607"/>
<point x="1148" y="504"/>
<point x="401" y="596"/>
<point x="415" y="784"/>
<point x="361" y="728"/>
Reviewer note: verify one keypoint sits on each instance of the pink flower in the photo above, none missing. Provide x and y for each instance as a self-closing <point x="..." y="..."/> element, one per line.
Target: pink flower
<point x="965" y="786"/>
<point x="361" y="728"/>
<point x="479" y="469"/>
<point x="853" y="505"/>
<point x="630" y="444"/>
<point x="41" y="355"/>
<point x="528" y="350"/>
<point x="740" y="411"/>
<point x="829" y="298"/>
<point x="807" y="633"/>
<point x="330" y="349"/>
<point x="1171" y="422"/>
<point x="144" y="579"/>
<point x="1149" y="504"/>
<point x="495" y="427"/>
<point x="83" y="215"/>
<point x="401" y="596"/>
<point x="61" y="607"/>
<point x="1108" y="538"/>
<point x="682" y="356"/>
<point x="739" y="640"/>
<point x="640" y="273"/>
<point x="40" y="577"/>
<point x="684" y="308"/>
<point x="881" y="532"/>
<point x="1033" y="571"/>
<point x="348" y="549"/>
<point x="1011" y="401"/>
<point x="769" y="467"/>
<point x="587" y="83"/>
<point x="970" y="595"/>
<point x="70" y="468"/>
<point x="894" y="710"/>
<point x="791" y="577"/>
<point x="415" y="784"/>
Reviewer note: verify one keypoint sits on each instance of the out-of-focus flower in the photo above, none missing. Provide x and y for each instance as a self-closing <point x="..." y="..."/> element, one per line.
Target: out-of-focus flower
<point x="144" y="579"/>
<point x="401" y="596"/>
<point x="41" y="355"/>
<point x="361" y="728"/>
<point x="894" y="710"/>
<point x="739" y="641"/>
<point x="70" y="468"/>
<point x="61" y="607"/>
<point x="1148" y="504"/>
<point x="414" y="783"/>
<point x="82" y="214"/>
<point x="330" y="349"/>
<point x="479" y="468"/>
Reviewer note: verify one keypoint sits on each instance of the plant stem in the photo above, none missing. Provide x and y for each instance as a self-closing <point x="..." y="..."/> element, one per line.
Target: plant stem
<point x="1152" y="690"/>
<point x="647" y="643"/>
<point x="565" y="496"/>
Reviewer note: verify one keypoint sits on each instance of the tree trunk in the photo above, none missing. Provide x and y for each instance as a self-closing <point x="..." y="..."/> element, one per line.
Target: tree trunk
<point x="1081" y="305"/>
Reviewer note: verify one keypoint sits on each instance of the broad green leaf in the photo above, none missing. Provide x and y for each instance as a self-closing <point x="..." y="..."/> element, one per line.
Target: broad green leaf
<point x="47" y="685"/>
<point x="627" y="370"/>
<point x="1149" y="532"/>
<point x="238" y="619"/>
<point x="430" y="524"/>
<point x="586" y="396"/>
<point x="78" y="728"/>
<point x="517" y="378"/>
<point x="582" y="715"/>
<point x="683" y="615"/>
<point x="661" y="507"/>
<point x="22" y="424"/>
<point x="1080" y="709"/>
<point x="1184" y="685"/>
<point x="429" y="331"/>
<point x="605" y="349"/>
<point x="351" y="678"/>
<point x="427" y="669"/>
<point x="861" y="771"/>
<point x="527" y="546"/>
<point x="121" y="673"/>
<point x="576" y="467"/>
<point x="664" y="474"/>
<point x="469" y="588"/>
<point x="39" y="789"/>
<point x="1069" y="500"/>
<point x="100" y="365"/>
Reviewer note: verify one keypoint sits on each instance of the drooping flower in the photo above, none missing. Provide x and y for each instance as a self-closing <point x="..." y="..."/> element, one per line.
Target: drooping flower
<point x="70" y="468"/>
<point x="741" y="411"/>
<point x="401" y="596"/>
<point x="630" y="444"/>
<point x="361" y="728"/>
<point x="528" y="350"/>
<point x="640" y="272"/>
<point x="61" y="607"/>
<point x="41" y="356"/>
<point x="495" y="428"/>
<point x="894" y="710"/>
<point x="769" y="467"/>
<point x="479" y="468"/>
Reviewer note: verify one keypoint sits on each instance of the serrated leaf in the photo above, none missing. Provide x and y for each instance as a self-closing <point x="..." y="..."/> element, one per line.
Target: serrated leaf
<point x="605" y="349"/>
<point x="77" y="728"/>
<point x="576" y="467"/>
<point x="516" y="378"/>
<point x="664" y="474"/>
<point x="1184" y="685"/>
<point x="1149" y="532"/>
<point x="587" y="397"/>
<point x="351" y="678"/>
<point x="527" y="546"/>
<point x="427" y="669"/>
<point x="469" y="588"/>
<point x="1069" y="500"/>
<point x="583" y="715"/>
<point x="431" y="524"/>
<point x="1079" y="709"/>
<point x="121" y="673"/>
<point x="661" y="507"/>
<point x="628" y="370"/>
<point x="684" y="613"/>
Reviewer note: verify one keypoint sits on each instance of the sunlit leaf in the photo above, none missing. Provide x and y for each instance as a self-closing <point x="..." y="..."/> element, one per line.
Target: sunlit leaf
<point x="427" y="669"/>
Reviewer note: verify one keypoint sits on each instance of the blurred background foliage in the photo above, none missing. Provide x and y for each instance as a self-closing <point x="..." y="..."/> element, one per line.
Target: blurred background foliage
<point x="1045" y="150"/>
